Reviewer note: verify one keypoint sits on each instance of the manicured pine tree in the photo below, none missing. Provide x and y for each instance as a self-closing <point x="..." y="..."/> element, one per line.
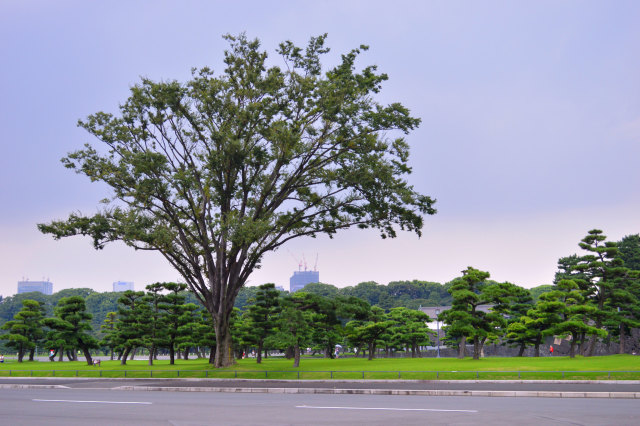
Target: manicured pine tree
<point x="370" y="331"/>
<point x="261" y="316"/>
<point x="626" y="296"/>
<point x="294" y="325"/>
<point x="156" y="336"/>
<point x="629" y="251"/>
<point x="573" y="314"/>
<point x="25" y="330"/>
<point x="133" y="322"/>
<point x="108" y="329"/>
<point x="71" y="324"/>
<point x="529" y="329"/>
<point x="188" y="329"/>
<point x="172" y="307"/>
<point x="410" y="329"/>
<point x="603" y="270"/>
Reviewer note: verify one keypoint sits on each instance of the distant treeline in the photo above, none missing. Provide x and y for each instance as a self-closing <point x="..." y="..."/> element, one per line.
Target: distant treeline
<point x="408" y="294"/>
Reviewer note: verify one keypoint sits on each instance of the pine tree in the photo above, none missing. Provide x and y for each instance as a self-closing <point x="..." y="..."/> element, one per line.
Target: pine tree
<point x="71" y="324"/>
<point x="25" y="330"/>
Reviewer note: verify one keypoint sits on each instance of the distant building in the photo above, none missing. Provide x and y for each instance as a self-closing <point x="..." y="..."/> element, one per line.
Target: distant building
<point x="44" y="287"/>
<point x="299" y="279"/>
<point x="278" y="287"/>
<point x="122" y="286"/>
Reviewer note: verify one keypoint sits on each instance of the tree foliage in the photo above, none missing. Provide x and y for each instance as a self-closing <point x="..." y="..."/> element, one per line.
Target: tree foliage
<point x="25" y="330"/>
<point x="70" y="326"/>
<point x="220" y="170"/>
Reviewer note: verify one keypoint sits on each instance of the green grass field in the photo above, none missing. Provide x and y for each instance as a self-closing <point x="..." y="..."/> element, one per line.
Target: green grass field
<point x="621" y="367"/>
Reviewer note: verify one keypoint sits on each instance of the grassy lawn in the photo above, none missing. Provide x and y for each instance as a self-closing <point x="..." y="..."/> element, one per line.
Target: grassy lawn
<point x="579" y="368"/>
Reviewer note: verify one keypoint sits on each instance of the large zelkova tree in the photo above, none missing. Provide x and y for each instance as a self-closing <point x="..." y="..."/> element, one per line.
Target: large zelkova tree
<point x="25" y="329"/>
<point x="218" y="171"/>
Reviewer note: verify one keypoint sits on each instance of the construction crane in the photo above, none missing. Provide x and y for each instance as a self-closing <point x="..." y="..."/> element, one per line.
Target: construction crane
<point x="299" y="262"/>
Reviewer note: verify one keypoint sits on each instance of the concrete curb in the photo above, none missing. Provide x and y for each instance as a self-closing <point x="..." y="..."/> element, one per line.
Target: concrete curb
<point x="528" y="394"/>
<point x="17" y="386"/>
<point x="213" y="380"/>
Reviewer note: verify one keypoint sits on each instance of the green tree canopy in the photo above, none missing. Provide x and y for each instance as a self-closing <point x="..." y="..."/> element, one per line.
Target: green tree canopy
<point x="71" y="324"/>
<point x="215" y="172"/>
<point x="629" y="250"/>
<point x="25" y="330"/>
<point x="262" y="315"/>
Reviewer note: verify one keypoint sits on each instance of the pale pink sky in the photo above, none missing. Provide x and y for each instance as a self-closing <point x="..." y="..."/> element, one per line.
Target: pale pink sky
<point x="530" y="134"/>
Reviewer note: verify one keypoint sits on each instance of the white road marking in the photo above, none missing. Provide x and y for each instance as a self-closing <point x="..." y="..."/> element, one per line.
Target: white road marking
<point x="388" y="409"/>
<point x="92" y="402"/>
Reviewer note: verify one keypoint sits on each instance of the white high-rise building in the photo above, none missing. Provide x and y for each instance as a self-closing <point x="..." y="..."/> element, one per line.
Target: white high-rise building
<point x="299" y="279"/>
<point x="122" y="286"/>
<point x="44" y="287"/>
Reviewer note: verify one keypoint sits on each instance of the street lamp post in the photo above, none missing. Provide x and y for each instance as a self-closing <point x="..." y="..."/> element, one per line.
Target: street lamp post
<point x="438" y="332"/>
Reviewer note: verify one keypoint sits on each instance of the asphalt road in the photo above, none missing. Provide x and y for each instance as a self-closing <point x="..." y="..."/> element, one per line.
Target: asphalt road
<point x="111" y="407"/>
<point x="541" y="386"/>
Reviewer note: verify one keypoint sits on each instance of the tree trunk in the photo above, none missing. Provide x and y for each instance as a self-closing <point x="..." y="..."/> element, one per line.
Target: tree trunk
<point x="151" y="353"/>
<point x="224" y="349"/>
<point x="212" y="355"/>
<point x="87" y="355"/>
<point x="20" y="353"/>
<point x="32" y="353"/>
<point x="522" y="348"/>
<point x="266" y="353"/>
<point x="572" y="350"/>
<point x="478" y="346"/>
<point x="592" y="345"/>
<point x="172" y="355"/>
<point x="461" y="348"/>
<point x="133" y="353"/>
<point x="372" y="350"/>
<point x="288" y="353"/>
<point x="61" y="354"/>
<point x="125" y="355"/>
<point x="259" y="354"/>
<point x="296" y="355"/>
<point x="186" y="353"/>
<point x="111" y="355"/>
<point x="536" y="349"/>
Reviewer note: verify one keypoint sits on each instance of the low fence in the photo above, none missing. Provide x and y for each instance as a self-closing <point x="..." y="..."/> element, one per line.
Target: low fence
<point x="331" y="374"/>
